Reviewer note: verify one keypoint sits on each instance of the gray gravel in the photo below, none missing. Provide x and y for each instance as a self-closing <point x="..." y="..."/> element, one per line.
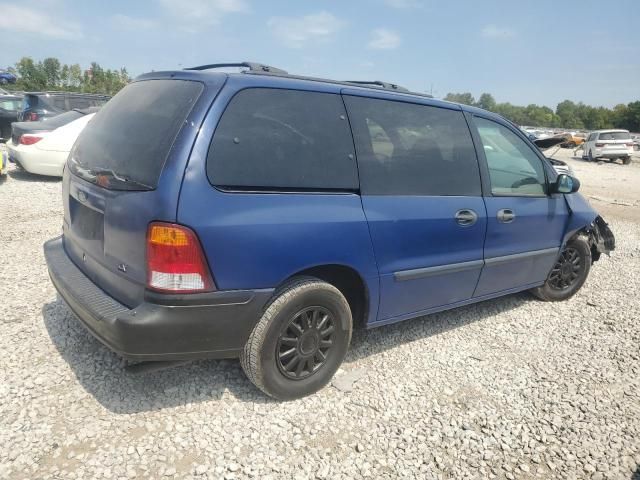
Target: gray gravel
<point x="510" y="388"/>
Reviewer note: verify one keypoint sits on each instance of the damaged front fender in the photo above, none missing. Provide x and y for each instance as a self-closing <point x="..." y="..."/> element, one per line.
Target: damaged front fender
<point x="583" y="219"/>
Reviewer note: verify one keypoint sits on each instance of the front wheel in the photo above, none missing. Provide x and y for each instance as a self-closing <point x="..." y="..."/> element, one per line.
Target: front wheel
<point x="590" y="156"/>
<point x="568" y="273"/>
<point x="300" y="341"/>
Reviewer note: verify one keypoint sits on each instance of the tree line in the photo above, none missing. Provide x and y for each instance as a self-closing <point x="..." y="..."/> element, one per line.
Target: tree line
<point x="51" y="74"/>
<point x="567" y="114"/>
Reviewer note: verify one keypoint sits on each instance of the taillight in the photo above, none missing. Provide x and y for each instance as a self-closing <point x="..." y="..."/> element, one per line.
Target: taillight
<point x="175" y="260"/>
<point x="32" y="117"/>
<point x="28" y="139"/>
<point x="599" y="145"/>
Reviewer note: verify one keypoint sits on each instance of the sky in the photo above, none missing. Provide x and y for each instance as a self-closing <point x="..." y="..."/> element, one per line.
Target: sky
<point x="539" y="52"/>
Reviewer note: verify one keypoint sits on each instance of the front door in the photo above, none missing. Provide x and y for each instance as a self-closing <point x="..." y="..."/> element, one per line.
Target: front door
<point x="421" y="194"/>
<point x="525" y="224"/>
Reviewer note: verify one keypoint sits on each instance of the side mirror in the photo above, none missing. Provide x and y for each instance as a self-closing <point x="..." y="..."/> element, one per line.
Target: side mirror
<point x="566" y="184"/>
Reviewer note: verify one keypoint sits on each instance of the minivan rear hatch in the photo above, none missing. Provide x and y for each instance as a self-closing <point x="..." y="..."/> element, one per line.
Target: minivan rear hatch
<point x="113" y="185"/>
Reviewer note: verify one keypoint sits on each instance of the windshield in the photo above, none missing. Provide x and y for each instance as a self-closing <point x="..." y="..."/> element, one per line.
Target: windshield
<point x="126" y="144"/>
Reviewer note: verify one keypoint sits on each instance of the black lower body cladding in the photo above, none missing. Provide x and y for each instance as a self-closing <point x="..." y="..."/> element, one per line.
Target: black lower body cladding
<point x="164" y="327"/>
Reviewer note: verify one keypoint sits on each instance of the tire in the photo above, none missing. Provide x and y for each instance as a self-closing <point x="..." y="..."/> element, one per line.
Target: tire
<point x="626" y="160"/>
<point x="590" y="156"/>
<point x="266" y="357"/>
<point x="554" y="288"/>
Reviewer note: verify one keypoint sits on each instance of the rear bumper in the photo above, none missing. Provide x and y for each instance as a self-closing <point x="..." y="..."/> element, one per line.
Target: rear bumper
<point x="40" y="162"/>
<point x="163" y="327"/>
<point x="617" y="154"/>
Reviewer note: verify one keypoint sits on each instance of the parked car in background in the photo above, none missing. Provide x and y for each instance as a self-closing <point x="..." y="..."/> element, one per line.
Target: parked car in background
<point x="46" y="154"/>
<point x="576" y="139"/>
<point x="636" y="142"/>
<point x="19" y="129"/>
<point x="4" y="161"/>
<point x="265" y="216"/>
<point x="42" y="105"/>
<point x="561" y="167"/>
<point x="7" y="77"/>
<point x="9" y="107"/>
<point x="609" y="144"/>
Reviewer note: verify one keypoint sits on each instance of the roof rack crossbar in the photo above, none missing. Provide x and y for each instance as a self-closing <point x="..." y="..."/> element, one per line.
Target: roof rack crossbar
<point x="252" y="66"/>
<point x="385" y="85"/>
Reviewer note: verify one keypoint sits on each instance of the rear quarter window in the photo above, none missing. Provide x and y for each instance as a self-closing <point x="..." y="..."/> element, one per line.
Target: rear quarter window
<point x="283" y="139"/>
<point x="132" y="134"/>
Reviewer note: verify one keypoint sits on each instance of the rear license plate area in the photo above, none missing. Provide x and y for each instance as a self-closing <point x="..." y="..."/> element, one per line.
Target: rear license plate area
<point x="86" y="223"/>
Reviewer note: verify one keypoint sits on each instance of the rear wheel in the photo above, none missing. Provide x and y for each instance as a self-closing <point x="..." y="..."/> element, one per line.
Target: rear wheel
<point x="590" y="156"/>
<point x="568" y="273"/>
<point x="300" y="341"/>
<point x="626" y="160"/>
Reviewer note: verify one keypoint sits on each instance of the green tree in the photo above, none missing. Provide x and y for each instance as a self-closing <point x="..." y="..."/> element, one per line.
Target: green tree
<point x="464" y="98"/>
<point x="51" y="71"/>
<point x="487" y="102"/>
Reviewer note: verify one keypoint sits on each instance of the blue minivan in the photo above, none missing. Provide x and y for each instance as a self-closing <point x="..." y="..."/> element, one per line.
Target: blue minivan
<point x="261" y="215"/>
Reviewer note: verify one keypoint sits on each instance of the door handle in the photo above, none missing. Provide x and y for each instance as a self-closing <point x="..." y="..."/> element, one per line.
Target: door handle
<point x="506" y="215"/>
<point x="466" y="217"/>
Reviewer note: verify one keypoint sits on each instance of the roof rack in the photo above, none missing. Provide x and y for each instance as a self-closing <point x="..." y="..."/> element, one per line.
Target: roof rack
<point x="378" y="83"/>
<point x="252" y="66"/>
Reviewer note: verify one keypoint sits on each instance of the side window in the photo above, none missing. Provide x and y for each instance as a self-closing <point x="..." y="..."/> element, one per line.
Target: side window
<point x="10" y="105"/>
<point x="289" y="139"/>
<point x="514" y="168"/>
<point x="78" y="102"/>
<point x="409" y="149"/>
<point x="59" y="102"/>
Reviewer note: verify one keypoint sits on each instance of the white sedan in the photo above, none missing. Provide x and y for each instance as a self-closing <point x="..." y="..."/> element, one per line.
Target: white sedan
<point x="45" y="153"/>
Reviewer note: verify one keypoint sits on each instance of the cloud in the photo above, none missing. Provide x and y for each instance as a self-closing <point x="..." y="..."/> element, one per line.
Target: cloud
<point x="295" y="32"/>
<point x="126" y="22"/>
<point x="403" y="3"/>
<point x="193" y="15"/>
<point x="493" y="31"/>
<point x="30" y="21"/>
<point x="383" y="39"/>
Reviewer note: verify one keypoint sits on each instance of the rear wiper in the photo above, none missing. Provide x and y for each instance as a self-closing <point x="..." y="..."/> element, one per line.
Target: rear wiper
<point x="92" y="174"/>
<point x="120" y="178"/>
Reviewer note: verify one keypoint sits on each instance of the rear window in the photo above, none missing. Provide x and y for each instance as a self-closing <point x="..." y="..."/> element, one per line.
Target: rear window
<point x="126" y="144"/>
<point x="283" y="139"/>
<point x="614" y="136"/>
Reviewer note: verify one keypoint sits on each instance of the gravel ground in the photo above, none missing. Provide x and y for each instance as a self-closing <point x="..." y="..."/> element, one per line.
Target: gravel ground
<point x="509" y="388"/>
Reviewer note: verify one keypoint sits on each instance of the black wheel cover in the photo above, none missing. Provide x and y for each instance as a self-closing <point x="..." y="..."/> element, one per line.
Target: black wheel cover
<point x="567" y="269"/>
<point x="305" y="342"/>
